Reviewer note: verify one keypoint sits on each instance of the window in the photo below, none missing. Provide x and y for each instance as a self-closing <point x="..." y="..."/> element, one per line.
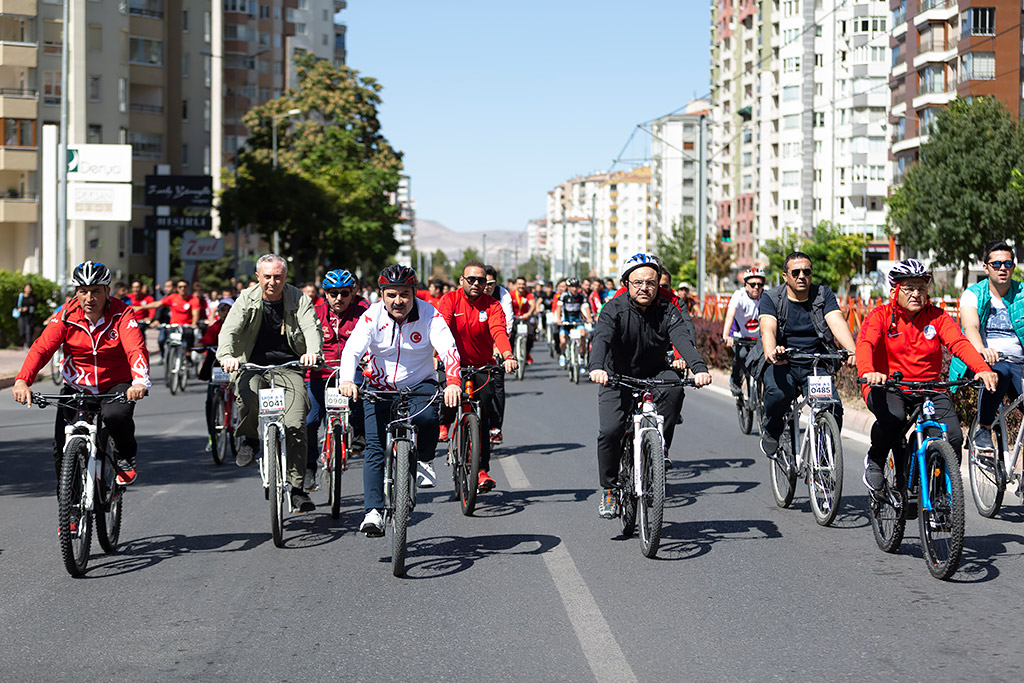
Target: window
<point x="819" y="60"/>
<point x="51" y="87"/>
<point x="206" y="115"/>
<point x="122" y="136"/>
<point x="819" y="119"/>
<point x="207" y="70"/>
<point x="184" y="109"/>
<point x="978" y="66"/>
<point x="206" y="27"/>
<point x="791" y="93"/>
<point x="184" y="21"/>
<point x="791" y="65"/>
<point x="94" y="39"/>
<point x="95" y="90"/>
<point x="926" y="120"/>
<point x="146" y="51"/>
<point x="300" y="29"/>
<point x="978" y="21"/>
<point x="206" y="160"/>
<point x="122" y="94"/>
<point x="264" y="11"/>
<point x="790" y="178"/>
<point x="790" y="121"/>
<point x="146" y="145"/>
<point x="19" y="133"/>
<point x="184" y="154"/>
<point x="94" y="134"/>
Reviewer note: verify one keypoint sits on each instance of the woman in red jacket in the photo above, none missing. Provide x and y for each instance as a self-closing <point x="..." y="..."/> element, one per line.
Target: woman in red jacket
<point x="907" y="335"/>
<point x="104" y="352"/>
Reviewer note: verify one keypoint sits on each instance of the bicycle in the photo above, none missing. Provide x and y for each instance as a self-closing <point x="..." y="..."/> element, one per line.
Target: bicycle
<point x="641" y="481"/>
<point x="55" y="362"/>
<point x="399" y="474"/>
<point x="176" y="359"/>
<point x="992" y="471"/>
<point x="574" y="351"/>
<point x="749" y="406"/>
<point x="522" y="337"/>
<point x="464" y="441"/>
<point x="273" y="462"/>
<point x="817" y="454"/>
<point x="88" y="488"/>
<point x="221" y="415"/>
<point x="550" y="335"/>
<point x="931" y="471"/>
<point x="337" y="440"/>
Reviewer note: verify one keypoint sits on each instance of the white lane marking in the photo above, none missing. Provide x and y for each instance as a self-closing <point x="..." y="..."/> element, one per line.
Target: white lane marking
<point x="717" y="390"/>
<point x="514" y="474"/>
<point x="855" y="436"/>
<point x="180" y="427"/>
<point x="605" y="657"/>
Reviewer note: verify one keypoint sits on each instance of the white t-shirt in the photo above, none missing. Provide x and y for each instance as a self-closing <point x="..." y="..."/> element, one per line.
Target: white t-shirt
<point x="998" y="332"/>
<point x="746" y="315"/>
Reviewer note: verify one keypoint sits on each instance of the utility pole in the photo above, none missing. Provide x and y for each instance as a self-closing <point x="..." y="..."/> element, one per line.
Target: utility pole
<point x="593" y="233"/>
<point x="702" y="214"/>
<point x="62" y="152"/>
<point x="483" y="257"/>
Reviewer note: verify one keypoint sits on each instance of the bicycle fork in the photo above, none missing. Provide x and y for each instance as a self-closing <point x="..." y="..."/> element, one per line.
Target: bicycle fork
<point x="922" y="464"/>
<point x="647" y="410"/>
<point x="91" y="466"/>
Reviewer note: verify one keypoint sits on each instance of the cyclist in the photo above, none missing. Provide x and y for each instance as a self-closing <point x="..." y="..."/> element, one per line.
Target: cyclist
<point x="803" y="317"/>
<point x="907" y="335"/>
<point x="209" y="338"/>
<point x="493" y="289"/>
<point x="184" y="310"/>
<point x="337" y="317"/>
<point x="104" y="352"/>
<point x="572" y="309"/>
<point x="401" y="334"/>
<point x="632" y="337"/>
<point x="741" y="322"/>
<point x="524" y="307"/>
<point x="272" y="323"/>
<point x="478" y="325"/>
<point x="992" y="316"/>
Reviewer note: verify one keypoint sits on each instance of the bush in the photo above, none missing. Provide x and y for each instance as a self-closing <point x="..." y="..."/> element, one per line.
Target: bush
<point x="11" y="285"/>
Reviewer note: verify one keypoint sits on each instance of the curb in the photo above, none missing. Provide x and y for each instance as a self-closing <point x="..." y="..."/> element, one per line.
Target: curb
<point x="7" y="382"/>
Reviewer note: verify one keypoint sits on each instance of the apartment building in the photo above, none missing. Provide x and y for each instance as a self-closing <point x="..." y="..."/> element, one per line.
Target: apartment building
<point x="144" y="73"/>
<point x="942" y="49"/>
<point x="799" y="118"/>
<point x="537" y="239"/>
<point x="675" y="157"/>
<point x="405" y="228"/>
<point x="623" y="219"/>
<point x="572" y="224"/>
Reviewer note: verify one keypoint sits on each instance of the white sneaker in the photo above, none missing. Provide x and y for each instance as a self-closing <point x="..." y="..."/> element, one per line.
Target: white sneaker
<point x="373" y="524"/>
<point x="561" y="361"/>
<point x="425" y="476"/>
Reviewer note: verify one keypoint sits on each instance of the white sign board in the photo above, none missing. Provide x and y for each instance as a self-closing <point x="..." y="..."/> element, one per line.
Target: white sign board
<point x="195" y="248"/>
<point x="100" y="163"/>
<point x="99" y="201"/>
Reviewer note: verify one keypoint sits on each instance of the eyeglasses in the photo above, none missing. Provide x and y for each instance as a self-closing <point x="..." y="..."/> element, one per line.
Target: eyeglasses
<point x="343" y="293"/>
<point x="914" y="289"/>
<point x="475" y="279"/>
<point x="644" y="284"/>
<point x="999" y="265"/>
<point x="797" y="272"/>
<point x="755" y="284"/>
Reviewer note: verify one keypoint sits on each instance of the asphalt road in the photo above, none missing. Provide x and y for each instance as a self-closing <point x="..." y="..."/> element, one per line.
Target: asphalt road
<point x="534" y="587"/>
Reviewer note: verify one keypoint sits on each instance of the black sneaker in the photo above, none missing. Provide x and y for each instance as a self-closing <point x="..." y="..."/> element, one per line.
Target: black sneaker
<point x="246" y="454"/>
<point x="301" y="501"/>
<point x="668" y="464"/>
<point x="769" y="444"/>
<point x="358" y="444"/>
<point x="983" y="440"/>
<point x="873" y="477"/>
<point x="737" y="392"/>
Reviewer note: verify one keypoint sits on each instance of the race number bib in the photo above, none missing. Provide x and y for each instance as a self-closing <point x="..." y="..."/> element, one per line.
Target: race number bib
<point x="819" y="386"/>
<point x="272" y="400"/>
<point x="334" y="399"/>
<point x="175" y="336"/>
<point x="219" y="376"/>
<point x="522" y="328"/>
<point x="575" y="333"/>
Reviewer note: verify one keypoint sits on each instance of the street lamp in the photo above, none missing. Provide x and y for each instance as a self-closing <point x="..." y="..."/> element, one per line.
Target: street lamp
<point x="273" y="126"/>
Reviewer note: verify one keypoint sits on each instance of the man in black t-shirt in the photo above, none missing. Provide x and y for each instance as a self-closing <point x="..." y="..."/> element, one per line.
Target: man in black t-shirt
<point x="810" y="322"/>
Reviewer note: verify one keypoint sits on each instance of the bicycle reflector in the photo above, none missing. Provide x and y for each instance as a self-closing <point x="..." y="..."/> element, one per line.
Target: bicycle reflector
<point x="928" y="409"/>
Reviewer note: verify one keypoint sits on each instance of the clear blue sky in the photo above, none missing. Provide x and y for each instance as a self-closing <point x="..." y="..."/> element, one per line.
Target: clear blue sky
<point x="494" y="103"/>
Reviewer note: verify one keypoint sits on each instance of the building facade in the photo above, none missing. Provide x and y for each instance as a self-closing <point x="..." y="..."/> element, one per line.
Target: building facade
<point x="571" y="219"/>
<point x="405" y="228"/>
<point x="675" y="173"/>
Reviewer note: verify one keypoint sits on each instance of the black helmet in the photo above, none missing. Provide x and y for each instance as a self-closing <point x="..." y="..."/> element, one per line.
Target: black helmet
<point x="397" y="276"/>
<point x="90" y="273"/>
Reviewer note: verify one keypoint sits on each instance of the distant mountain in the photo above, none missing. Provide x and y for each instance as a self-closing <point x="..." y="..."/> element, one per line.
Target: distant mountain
<point x="431" y="236"/>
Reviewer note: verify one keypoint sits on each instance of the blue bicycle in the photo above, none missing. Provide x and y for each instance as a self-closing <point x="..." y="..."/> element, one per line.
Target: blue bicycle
<point x="929" y="470"/>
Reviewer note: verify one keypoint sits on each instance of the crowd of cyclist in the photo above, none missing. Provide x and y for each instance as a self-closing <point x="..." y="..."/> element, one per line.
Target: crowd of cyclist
<point x="638" y="327"/>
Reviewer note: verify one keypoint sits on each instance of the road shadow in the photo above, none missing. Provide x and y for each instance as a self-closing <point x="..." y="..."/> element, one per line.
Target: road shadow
<point x="510" y="394"/>
<point x="689" y="469"/>
<point x="504" y="503"/>
<point x="432" y="558"/>
<point x="534" y="448"/>
<point x="978" y="562"/>
<point x="678" y="495"/>
<point x="142" y="553"/>
<point x="690" y="540"/>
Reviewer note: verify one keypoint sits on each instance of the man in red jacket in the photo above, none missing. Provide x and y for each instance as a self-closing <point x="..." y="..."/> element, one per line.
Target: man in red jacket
<point x="478" y="325"/>
<point x="907" y="335"/>
<point x="104" y="352"/>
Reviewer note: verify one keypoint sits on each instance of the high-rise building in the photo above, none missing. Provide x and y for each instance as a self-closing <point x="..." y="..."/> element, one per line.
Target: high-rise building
<point x="572" y="224"/>
<point x="405" y="228"/>
<point x="675" y="157"/>
<point x="537" y="239"/>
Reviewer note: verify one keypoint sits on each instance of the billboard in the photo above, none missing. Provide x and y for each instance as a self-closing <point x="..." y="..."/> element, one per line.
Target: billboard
<point x="99" y="201"/>
<point x="179" y="190"/>
<point x="100" y="163"/>
<point x="195" y="248"/>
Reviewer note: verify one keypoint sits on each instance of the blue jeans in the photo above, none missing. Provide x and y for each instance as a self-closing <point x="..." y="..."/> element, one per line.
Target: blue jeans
<point x="317" y="413"/>
<point x="782" y="384"/>
<point x="989" y="402"/>
<point x="376" y="417"/>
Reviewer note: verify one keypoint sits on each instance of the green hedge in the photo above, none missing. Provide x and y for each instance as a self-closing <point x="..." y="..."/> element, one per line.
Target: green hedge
<point x="11" y="285"/>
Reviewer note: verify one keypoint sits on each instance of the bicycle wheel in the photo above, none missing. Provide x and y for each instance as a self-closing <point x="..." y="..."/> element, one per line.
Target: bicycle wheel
<point x="652" y="483"/>
<point x="627" y="500"/>
<point x="403" y="506"/>
<point x="942" y="527"/>
<point x="168" y="369"/>
<point x="277" y="492"/>
<point x="469" y="461"/>
<point x="986" y="474"/>
<point x="109" y="503"/>
<point x="216" y="427"/>
<point x="888" y="510"/>
<point x="337" y="459"/>
<point x="183" y="366"/>
<point x="574" y="361"/>
<point x="744" y="414"/>
<point x="520" y="356"/>
<point x="73" y="520"/>
<point x="783" y="470"/>
<point x="825" y="471"/>
<point x="174" y="369"/>
<point x="754" y="399"/>
<point x="55" y="367"/>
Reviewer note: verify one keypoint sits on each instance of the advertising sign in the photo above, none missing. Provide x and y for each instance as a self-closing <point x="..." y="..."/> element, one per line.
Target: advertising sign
<point x="179" y="190"/>
<point x="195" y="248"/>
<point x="100" y="163"/>
<point x="99" y="201"/>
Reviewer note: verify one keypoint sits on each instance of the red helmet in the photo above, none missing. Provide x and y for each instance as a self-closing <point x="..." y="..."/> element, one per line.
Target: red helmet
<point x="397" y="276"/>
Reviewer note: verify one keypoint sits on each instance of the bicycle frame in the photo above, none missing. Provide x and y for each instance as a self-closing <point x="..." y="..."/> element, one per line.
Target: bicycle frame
<point x="922" y="421"/>
<point x="1010" y="457"/>
<point x="818" y="404"/>
<point x="337" y="412"/>
<point x="645" y="407"/>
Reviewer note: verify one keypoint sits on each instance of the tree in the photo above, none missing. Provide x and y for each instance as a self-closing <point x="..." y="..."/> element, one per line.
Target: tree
<point x="836" y="256"/>
<point x="468" y="254"/>
<point x="960" y="194"/>
<point x="718" y="260"/>
<point x="536" y="267"/>
<point x="676" y="248"/>
<point x="330" y="196"/>
<point x="777" y="249"/>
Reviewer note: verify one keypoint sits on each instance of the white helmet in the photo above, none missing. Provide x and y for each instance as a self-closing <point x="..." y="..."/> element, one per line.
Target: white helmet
<point x="754" y="271"/>
<point x="637" y="260"/>
<point x="906" y="269"/>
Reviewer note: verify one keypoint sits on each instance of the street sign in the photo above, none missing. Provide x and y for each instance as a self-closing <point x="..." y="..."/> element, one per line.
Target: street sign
<point x="179" y="190"/>
<point x="99" y="201"/>
<point x="179" y="223"/>
<point x="100" y="163"/>
<point x="195" y="248"/>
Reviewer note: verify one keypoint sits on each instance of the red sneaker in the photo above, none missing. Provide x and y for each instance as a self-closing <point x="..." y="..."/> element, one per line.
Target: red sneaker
<point x="443" y="434"/>
<point x="529" y="359"/>
<point x="485" y="483"/>
<point x="125" y="473"/>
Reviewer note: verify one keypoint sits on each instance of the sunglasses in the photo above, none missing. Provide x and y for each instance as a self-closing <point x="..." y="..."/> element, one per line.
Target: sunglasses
<point x="491" y="283"/>
<point x="797" y="272"/>
<point x="755" y="284"/>
<point x="999" y="265"/>
<point x="343" y="293"/>
<point x="475" y="280"/>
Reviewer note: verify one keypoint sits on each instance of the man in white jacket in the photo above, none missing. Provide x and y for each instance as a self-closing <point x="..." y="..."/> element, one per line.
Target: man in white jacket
<point x="401" y="334"/>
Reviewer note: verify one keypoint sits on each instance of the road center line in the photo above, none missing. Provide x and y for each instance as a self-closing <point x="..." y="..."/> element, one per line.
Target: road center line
<point x="605" y="657"/>
<point x="180" y="427"/>
<point x="514" y="474"/>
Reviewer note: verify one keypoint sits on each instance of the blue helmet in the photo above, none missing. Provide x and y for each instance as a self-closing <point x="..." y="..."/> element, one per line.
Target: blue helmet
<point x="638" y="260"/>
<point x="338" y="278"/>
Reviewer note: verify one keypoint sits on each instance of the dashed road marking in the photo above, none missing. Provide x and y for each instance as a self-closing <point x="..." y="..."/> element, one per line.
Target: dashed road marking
<point x="514" y="474"/>
<point x="180" y="427"/>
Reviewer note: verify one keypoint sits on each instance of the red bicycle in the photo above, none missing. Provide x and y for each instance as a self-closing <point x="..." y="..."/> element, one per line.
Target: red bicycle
<point x="337" y="440"/>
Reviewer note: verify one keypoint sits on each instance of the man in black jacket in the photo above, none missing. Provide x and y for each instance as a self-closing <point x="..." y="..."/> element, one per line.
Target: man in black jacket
<point x="634" y="336"/>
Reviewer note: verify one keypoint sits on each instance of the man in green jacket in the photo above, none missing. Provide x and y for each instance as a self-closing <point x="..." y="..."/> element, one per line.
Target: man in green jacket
<point x="269" y="324"/>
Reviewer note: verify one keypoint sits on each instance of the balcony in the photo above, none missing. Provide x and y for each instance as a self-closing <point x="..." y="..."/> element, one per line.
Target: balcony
<point x="19" y="159"/>
<point x="938" y="51"/>
<point x="152" y="9"/>
<point x="25" y="8"/>
<point x="146" y="108"/>
<point x="909" y="143"/>
<point x="937" y="96"/>
<point x="19" y="209"/>
<point x="18" y="103"/>
<point x="935" y="10"/>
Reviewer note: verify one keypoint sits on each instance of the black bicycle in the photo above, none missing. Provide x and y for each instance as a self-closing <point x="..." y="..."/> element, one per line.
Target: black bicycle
<point x="749" y="406"/>
<point x="464" y="438"/>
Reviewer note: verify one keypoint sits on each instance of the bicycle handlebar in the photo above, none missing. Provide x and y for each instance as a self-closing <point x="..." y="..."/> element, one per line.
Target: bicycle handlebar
<point x="289" y="364"/>
<point x="841" y="354"/>
<point x="375" y="395"/>
<point x="923" y="385"/>
<point x="44" y="400"/>
<point x="642" y="383"/>
<point x="489" y="369"/>
<point x="1010" y="358"/>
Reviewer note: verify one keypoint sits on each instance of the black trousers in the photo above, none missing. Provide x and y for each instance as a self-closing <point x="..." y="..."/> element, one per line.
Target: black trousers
<point x="615" y="409"/>
<point x="484" y="389"/>
<point x="782" y="384"/>
<point x="498" y="410"/>
<point x="117" y="418"/>
<point x="892" y="411"/>
<point x="739" y="360"/>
